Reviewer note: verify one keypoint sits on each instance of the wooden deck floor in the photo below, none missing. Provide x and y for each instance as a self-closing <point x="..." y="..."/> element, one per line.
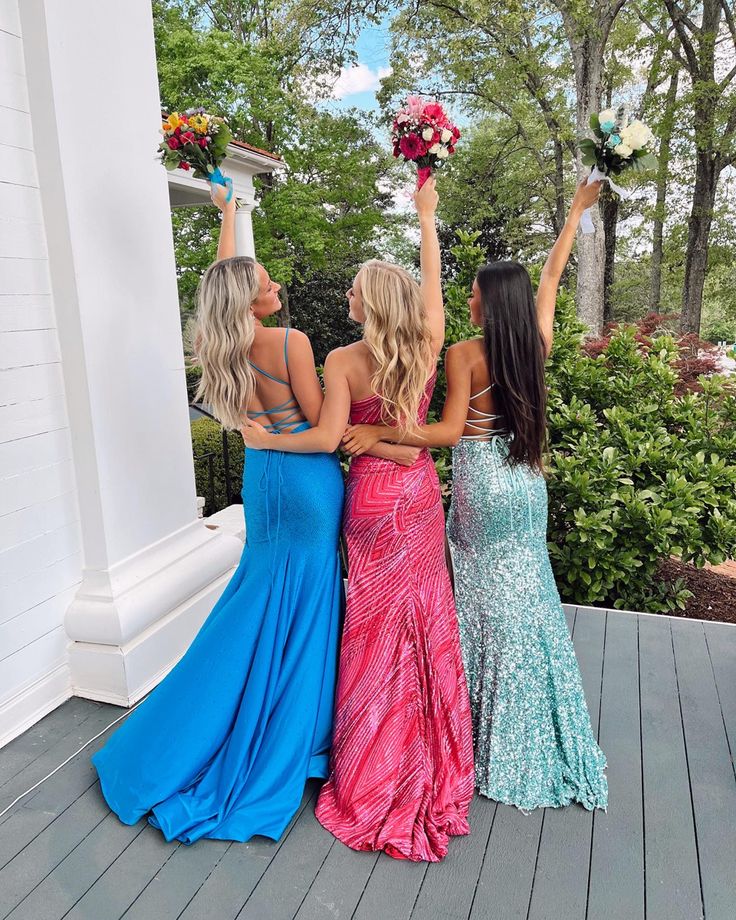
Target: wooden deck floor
<point x="662" y="696"/>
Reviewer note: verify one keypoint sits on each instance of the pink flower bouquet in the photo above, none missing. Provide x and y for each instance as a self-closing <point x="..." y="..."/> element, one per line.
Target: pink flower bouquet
<point x="423" y="134"/>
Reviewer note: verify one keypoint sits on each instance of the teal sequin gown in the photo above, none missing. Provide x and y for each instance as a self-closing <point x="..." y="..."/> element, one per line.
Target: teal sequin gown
<point x="534" y="746"/>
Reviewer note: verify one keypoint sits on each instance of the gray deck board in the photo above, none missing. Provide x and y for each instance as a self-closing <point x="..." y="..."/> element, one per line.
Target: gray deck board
<point x="450" y="889"/>
<point x="505" y="883"/>
<point x="561" y="888"/>
<point x="711" y="776"/>
<point x="670" y="853"/>
<point x="224" y="892"/>
<point x="43" y="736"/>
<point x="44" y="806"/>
<point x="662" y="696"/>
<point x="721" y="642"/>
<point x="285" y="884"/>
<point x="616" y="883"/>
<point x="392" y="889"/>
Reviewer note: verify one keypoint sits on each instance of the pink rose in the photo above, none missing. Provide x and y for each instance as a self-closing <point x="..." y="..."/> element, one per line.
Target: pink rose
<point x="173" y="143"/>
<point x="414" y="107"/>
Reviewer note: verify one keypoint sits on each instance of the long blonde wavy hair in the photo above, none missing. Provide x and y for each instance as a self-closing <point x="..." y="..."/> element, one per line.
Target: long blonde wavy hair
<point x="225" y="328"/>
<point x="398" y="336"/>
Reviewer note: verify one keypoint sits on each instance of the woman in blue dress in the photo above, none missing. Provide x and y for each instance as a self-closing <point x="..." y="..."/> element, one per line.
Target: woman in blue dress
<point x="223" y="746"/>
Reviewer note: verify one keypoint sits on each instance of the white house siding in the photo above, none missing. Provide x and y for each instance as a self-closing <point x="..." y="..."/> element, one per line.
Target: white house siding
<point x="40" y="539"/>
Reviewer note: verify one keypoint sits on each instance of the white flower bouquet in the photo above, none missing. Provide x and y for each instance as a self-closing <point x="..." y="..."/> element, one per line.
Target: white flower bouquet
<point x="619" y="144"/>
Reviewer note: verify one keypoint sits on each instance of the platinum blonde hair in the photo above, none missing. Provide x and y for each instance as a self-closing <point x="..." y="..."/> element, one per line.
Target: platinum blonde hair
<point x="225" y="328"/>
<point x="398" y="337"/>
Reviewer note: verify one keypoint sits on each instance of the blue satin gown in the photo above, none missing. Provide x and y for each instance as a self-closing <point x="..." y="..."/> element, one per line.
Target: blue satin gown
<point x="223" y="746"/>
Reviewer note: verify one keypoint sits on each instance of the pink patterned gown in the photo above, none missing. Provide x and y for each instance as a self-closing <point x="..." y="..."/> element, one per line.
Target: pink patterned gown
<point x="402" y="756"/>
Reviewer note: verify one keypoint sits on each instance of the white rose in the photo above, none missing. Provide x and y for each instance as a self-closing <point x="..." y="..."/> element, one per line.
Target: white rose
<point x="446" y="135"/>
<point x="402" y="117"/>
<point x="428" y="134"/>
<point x="443" y="153"/>
<point x="435" y="148"/>
<point x="606" y="115"/>
<point x="636" y="135"/>
<point x="623" y="150"/>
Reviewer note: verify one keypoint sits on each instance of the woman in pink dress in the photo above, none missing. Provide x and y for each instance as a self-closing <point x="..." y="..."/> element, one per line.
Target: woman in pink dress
<point x="402" y="758"/>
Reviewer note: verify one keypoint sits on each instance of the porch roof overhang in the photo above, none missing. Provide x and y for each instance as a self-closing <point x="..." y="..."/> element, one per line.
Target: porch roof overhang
<point x="241" y="164"/>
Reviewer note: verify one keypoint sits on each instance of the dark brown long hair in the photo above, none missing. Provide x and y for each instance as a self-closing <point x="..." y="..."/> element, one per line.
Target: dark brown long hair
<point x="515" y="355"/>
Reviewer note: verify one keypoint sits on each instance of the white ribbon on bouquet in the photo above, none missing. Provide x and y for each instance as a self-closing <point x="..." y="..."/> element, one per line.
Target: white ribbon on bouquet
<point x="586" y="221"/>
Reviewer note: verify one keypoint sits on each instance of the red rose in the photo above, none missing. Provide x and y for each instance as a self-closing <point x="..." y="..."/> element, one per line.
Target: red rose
<point x="456" y="132"/>
<point x="202" y="141"/>
<point x="397" y="150"/>
<point x="412" y="146"/>
<point x="450" y="148"/>
<point x="185" y="166"/>
<point x="173" y="142"/>
<point x="188" y="137"/>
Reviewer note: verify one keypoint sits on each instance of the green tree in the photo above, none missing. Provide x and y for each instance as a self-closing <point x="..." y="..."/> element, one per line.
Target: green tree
<point x="260" y="65"/>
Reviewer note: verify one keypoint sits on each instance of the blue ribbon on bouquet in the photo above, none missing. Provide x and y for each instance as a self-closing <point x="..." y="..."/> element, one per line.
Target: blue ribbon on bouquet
<point x="218" y="179"/>
<point x="586" y="221"/>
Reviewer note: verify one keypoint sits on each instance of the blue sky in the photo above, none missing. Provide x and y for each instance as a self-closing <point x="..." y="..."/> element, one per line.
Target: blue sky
<point x="357" y="86"/>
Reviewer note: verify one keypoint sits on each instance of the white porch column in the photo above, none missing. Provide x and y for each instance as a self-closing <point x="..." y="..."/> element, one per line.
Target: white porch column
<point x="244" y="244"/>
<point x="152" y="569"/>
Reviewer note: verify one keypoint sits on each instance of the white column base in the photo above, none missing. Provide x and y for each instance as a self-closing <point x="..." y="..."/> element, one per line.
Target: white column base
<point x="131" y="624"/>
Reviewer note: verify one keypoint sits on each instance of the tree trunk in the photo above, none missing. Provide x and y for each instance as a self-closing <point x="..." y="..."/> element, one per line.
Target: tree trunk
<point x="283" y="317"/>
<point x="587" y="51"/>
<point x="560" y="205"/>
<point x="660" y="212"/>
<point x="610" y="203"/>
<point x="698" y="232"/>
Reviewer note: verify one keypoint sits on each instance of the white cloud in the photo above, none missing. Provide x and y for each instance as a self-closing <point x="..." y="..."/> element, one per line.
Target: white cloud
<point x="358" y="79"/>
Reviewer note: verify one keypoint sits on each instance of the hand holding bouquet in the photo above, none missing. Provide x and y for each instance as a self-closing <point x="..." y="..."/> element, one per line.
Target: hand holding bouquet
<point x="423" y="134"/>
<point x="197" y="141"/>
<point x="619" y="145"/>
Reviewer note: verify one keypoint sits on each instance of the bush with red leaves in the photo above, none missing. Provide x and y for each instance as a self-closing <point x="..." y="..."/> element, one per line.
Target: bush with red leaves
<point x="696" y="355"/>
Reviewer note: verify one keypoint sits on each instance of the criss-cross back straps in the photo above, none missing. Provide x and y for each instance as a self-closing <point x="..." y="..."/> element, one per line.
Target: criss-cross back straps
<point x="480" y="419"/>
<point x="291" y="406"/>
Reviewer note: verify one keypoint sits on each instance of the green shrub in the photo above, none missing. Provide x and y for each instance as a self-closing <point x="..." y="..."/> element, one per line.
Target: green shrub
<point x="207" y="439"/>
<point x="637" y="473"/>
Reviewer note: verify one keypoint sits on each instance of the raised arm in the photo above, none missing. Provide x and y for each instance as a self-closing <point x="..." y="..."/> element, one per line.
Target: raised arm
<point x="361" y="438"/>
<point x="549" y="282"/>
<point x="226" y="244"/>
<point x="325" y="437"/>
<point x="425" y="201"/>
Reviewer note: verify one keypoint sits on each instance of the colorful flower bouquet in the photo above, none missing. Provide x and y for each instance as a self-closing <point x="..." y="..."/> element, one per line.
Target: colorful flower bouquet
<point x="197" y="141"/>
<point x="423" y="134"/>
<point x="619" y="145"/>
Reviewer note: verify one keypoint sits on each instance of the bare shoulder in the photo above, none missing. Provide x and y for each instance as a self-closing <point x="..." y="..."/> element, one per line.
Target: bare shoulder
<point x="298" y="341"/>
<point x="467" y="351"/>
<point x="337" y="359"/>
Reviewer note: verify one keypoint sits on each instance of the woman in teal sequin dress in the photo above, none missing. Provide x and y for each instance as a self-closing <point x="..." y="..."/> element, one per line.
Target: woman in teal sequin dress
<point x="534" y="746"/>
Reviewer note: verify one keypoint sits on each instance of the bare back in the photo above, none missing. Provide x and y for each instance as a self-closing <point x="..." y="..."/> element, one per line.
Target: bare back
<point x="482" y="418"/>
<point x="274" y="403"/>
<point x="360" y="368"/>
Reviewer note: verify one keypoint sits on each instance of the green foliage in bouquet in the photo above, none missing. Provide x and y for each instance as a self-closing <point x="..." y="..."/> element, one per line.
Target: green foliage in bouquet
<point x="637" y="474"/>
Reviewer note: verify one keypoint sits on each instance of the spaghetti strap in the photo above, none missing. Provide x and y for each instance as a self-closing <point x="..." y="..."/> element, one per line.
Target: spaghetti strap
<point x="291" y="406"/>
